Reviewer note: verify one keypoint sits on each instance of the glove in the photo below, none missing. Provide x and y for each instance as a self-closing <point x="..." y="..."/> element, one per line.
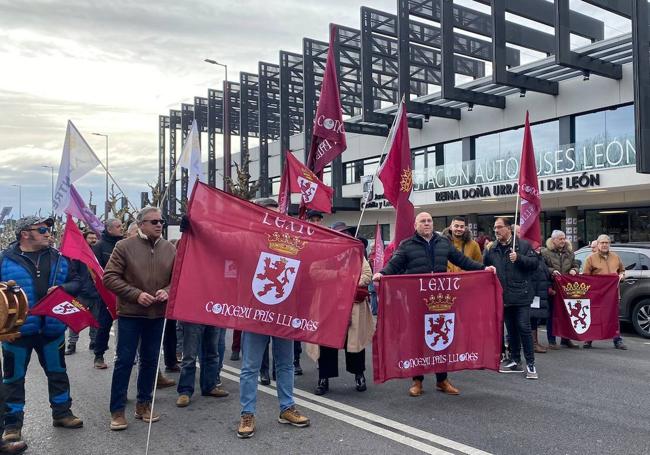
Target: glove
<point x="185" y="223"/>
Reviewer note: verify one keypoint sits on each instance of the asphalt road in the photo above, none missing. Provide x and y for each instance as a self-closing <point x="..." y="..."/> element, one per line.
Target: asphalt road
<point x="585" y="402"/>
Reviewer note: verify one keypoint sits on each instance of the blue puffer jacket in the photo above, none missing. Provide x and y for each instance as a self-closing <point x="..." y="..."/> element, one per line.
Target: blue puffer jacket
<point x="13" y="266"/>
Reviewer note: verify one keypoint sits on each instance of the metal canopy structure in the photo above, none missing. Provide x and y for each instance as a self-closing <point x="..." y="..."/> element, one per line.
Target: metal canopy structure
<point x="436" y="54"/>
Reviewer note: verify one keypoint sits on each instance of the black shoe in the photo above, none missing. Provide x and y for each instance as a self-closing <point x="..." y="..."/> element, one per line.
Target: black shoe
<point x="587" y="345"/>
<point x="71" y="349"/>
<point x="620" y="345"/>
<point x="91" y="346"/>
<point x="234" y="355"/>
<point x="297" y="369"/>
<point x="264" y="378"/>
<point x="323" y="387"/>
<point x="360" y="381"/>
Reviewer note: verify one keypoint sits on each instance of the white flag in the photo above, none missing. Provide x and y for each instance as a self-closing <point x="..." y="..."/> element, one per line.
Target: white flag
<point x="76" y="161"/>
<point x="190" y="158"/>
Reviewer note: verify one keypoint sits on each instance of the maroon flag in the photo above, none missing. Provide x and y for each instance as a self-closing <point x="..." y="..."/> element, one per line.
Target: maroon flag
<point x="378" y="250"/>
<point x="397" y="177"/>
<point x="248" y="268"/>
<point x="74" y="246"/>
<point x="585" y="307"/>
<point x="530" y="204"/>
<point x="434" y="323"/>
<point x="296" y="178"/>
<point x="62" y="306"/>
<point x="328" y="136"/>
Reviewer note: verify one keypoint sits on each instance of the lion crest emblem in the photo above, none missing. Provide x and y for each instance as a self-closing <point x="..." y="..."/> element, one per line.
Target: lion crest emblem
<point x="580" y="313"/>
<point x="274" y="278"/>
<point x="439" y="330"/>
<point x="307" y="189"/>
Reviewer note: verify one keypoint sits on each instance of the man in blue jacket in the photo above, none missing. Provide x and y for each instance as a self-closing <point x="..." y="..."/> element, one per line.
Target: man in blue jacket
<point x="38" y="269"/>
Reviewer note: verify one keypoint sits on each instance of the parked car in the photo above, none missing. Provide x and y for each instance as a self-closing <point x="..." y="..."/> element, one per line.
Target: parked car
<point x="634" y="305"/>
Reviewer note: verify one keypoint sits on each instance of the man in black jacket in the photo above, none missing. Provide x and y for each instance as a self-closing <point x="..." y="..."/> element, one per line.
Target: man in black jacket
<point x="103" y="250"/>
<point x="515" y="269"/>
<point x="427" y="252"/>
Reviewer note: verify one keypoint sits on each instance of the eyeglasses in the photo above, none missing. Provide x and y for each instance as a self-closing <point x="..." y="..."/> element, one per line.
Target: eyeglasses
<point x="41" y="230"/>
<point x="154" y="222"/>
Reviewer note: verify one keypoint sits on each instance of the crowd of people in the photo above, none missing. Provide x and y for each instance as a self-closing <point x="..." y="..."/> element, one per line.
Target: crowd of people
<point x="138" y="268"/>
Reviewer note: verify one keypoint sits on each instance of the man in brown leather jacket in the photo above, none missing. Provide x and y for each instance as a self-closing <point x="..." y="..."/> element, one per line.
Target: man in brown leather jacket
<point x="139" y="273"/>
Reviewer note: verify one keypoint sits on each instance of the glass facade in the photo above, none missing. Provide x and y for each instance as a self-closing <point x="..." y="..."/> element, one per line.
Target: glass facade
<point x="623" y="225"/>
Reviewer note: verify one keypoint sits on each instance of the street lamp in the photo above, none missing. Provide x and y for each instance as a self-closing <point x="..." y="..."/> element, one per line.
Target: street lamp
<point x="20" y="200"/>
<point x="226" y="122"/>
<point x="52" y="188"/>
<point x="105" y="136"/>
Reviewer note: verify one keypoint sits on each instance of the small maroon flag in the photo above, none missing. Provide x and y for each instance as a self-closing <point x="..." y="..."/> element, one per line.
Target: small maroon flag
<point x="434" y="324"/>
<point x="397" y="177"/>
<point x="378" y="250"/>
<point x="297" y="178"/>
<point x="60" y="305"/>
<point x="74" y="246"/>
<point x="268" y="273"/>
<point x="585" y="307"/>
<point x="530" y="204"/>
<point x="328" y="137"/>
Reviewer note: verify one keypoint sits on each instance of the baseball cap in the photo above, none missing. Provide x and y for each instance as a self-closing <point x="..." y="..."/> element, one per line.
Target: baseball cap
<point x="24" y="223"/>
<point x="266" y="202"/>
<point x="314" y="213"/>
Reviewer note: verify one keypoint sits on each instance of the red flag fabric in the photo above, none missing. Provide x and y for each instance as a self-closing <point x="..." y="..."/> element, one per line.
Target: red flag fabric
<point x="62" y="306"/>
<point x="434" y="323"/>
<point x="74" y="246"/>
<point x="530" y="203"/>
<point x="378" y="250"/>
<point x="297" y="178"/>
<point x="328" y="136"/>
<point x="585" y="307"/>
<point x="248" y="268"/>
<point x="397" y="177"/>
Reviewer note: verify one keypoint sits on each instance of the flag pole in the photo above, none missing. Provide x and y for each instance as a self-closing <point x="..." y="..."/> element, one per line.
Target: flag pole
<point x="383" y="151"/>
<point x="514" y="231"/>
<point x="155" y="386"/>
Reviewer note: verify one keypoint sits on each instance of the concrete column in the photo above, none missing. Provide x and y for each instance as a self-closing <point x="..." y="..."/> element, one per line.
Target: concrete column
<point x="571" y="225"/>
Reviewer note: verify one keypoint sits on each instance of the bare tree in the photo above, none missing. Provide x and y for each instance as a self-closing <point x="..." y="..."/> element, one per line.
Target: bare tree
<point x="243" y="187"/>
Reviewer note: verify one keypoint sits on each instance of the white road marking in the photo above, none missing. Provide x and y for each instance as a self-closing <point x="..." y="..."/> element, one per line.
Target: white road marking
<point x="439" y="440"/>
<point x="426" y="448"/>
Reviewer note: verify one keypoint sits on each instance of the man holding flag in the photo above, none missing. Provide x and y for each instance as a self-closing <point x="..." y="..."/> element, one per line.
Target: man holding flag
<point x="38" y="269"/>
<point x="427" y="252"/>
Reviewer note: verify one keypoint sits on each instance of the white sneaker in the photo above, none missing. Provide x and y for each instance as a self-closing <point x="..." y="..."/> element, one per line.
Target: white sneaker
<point x="531" y="372"/>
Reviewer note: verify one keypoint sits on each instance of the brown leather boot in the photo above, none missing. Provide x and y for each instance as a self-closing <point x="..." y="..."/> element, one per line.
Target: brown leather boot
<point x="118" y="421"/>
<point x="164" y="381"/>
<point x="539" y="349"/>
<point x="446" y="387"/>
<point x="416" y="388"/>
<point x="143" y="412"/>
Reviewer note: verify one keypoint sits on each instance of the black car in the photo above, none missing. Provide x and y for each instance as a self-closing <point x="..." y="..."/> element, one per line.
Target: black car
<point x="634" y="305"/>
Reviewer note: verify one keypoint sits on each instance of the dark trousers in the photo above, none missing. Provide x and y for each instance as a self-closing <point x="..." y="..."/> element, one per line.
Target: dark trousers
<point x="3" y="404"/>
<point x="169" y="344"/>
<point x="199" y="342"/>
<point x="297" y="350"/>
<point x="328" y="362"/>
<point x="517" y="319"/>
<point x="439" y="377"/>
<point x="236" y="341"/>
<point x="16" y="357"/>
<point x="104" y="331"/>
<point x="132" y="331"/>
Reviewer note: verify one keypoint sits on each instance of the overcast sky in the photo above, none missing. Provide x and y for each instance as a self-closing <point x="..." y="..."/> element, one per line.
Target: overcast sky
<point x="113" y="67"/>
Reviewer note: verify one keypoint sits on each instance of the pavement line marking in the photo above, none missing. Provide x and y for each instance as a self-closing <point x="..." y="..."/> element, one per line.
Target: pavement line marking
<point x="426" y="448"/>
<point x="448" y="443"/>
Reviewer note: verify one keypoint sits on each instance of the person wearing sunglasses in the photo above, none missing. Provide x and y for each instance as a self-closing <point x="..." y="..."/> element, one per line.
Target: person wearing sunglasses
<point x="139" y="273"/>
<point x="38" y="269"/>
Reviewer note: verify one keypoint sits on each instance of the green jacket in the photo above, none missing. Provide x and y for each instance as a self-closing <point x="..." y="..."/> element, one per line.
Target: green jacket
<point x="561" y="260"/>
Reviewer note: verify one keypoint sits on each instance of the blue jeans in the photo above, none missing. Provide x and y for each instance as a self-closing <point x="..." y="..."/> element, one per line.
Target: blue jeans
<point x="203" y="338"/>
<point x="253" y="346"/>
<point x="131" y="331"/>
<point x="221" y="350"/>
